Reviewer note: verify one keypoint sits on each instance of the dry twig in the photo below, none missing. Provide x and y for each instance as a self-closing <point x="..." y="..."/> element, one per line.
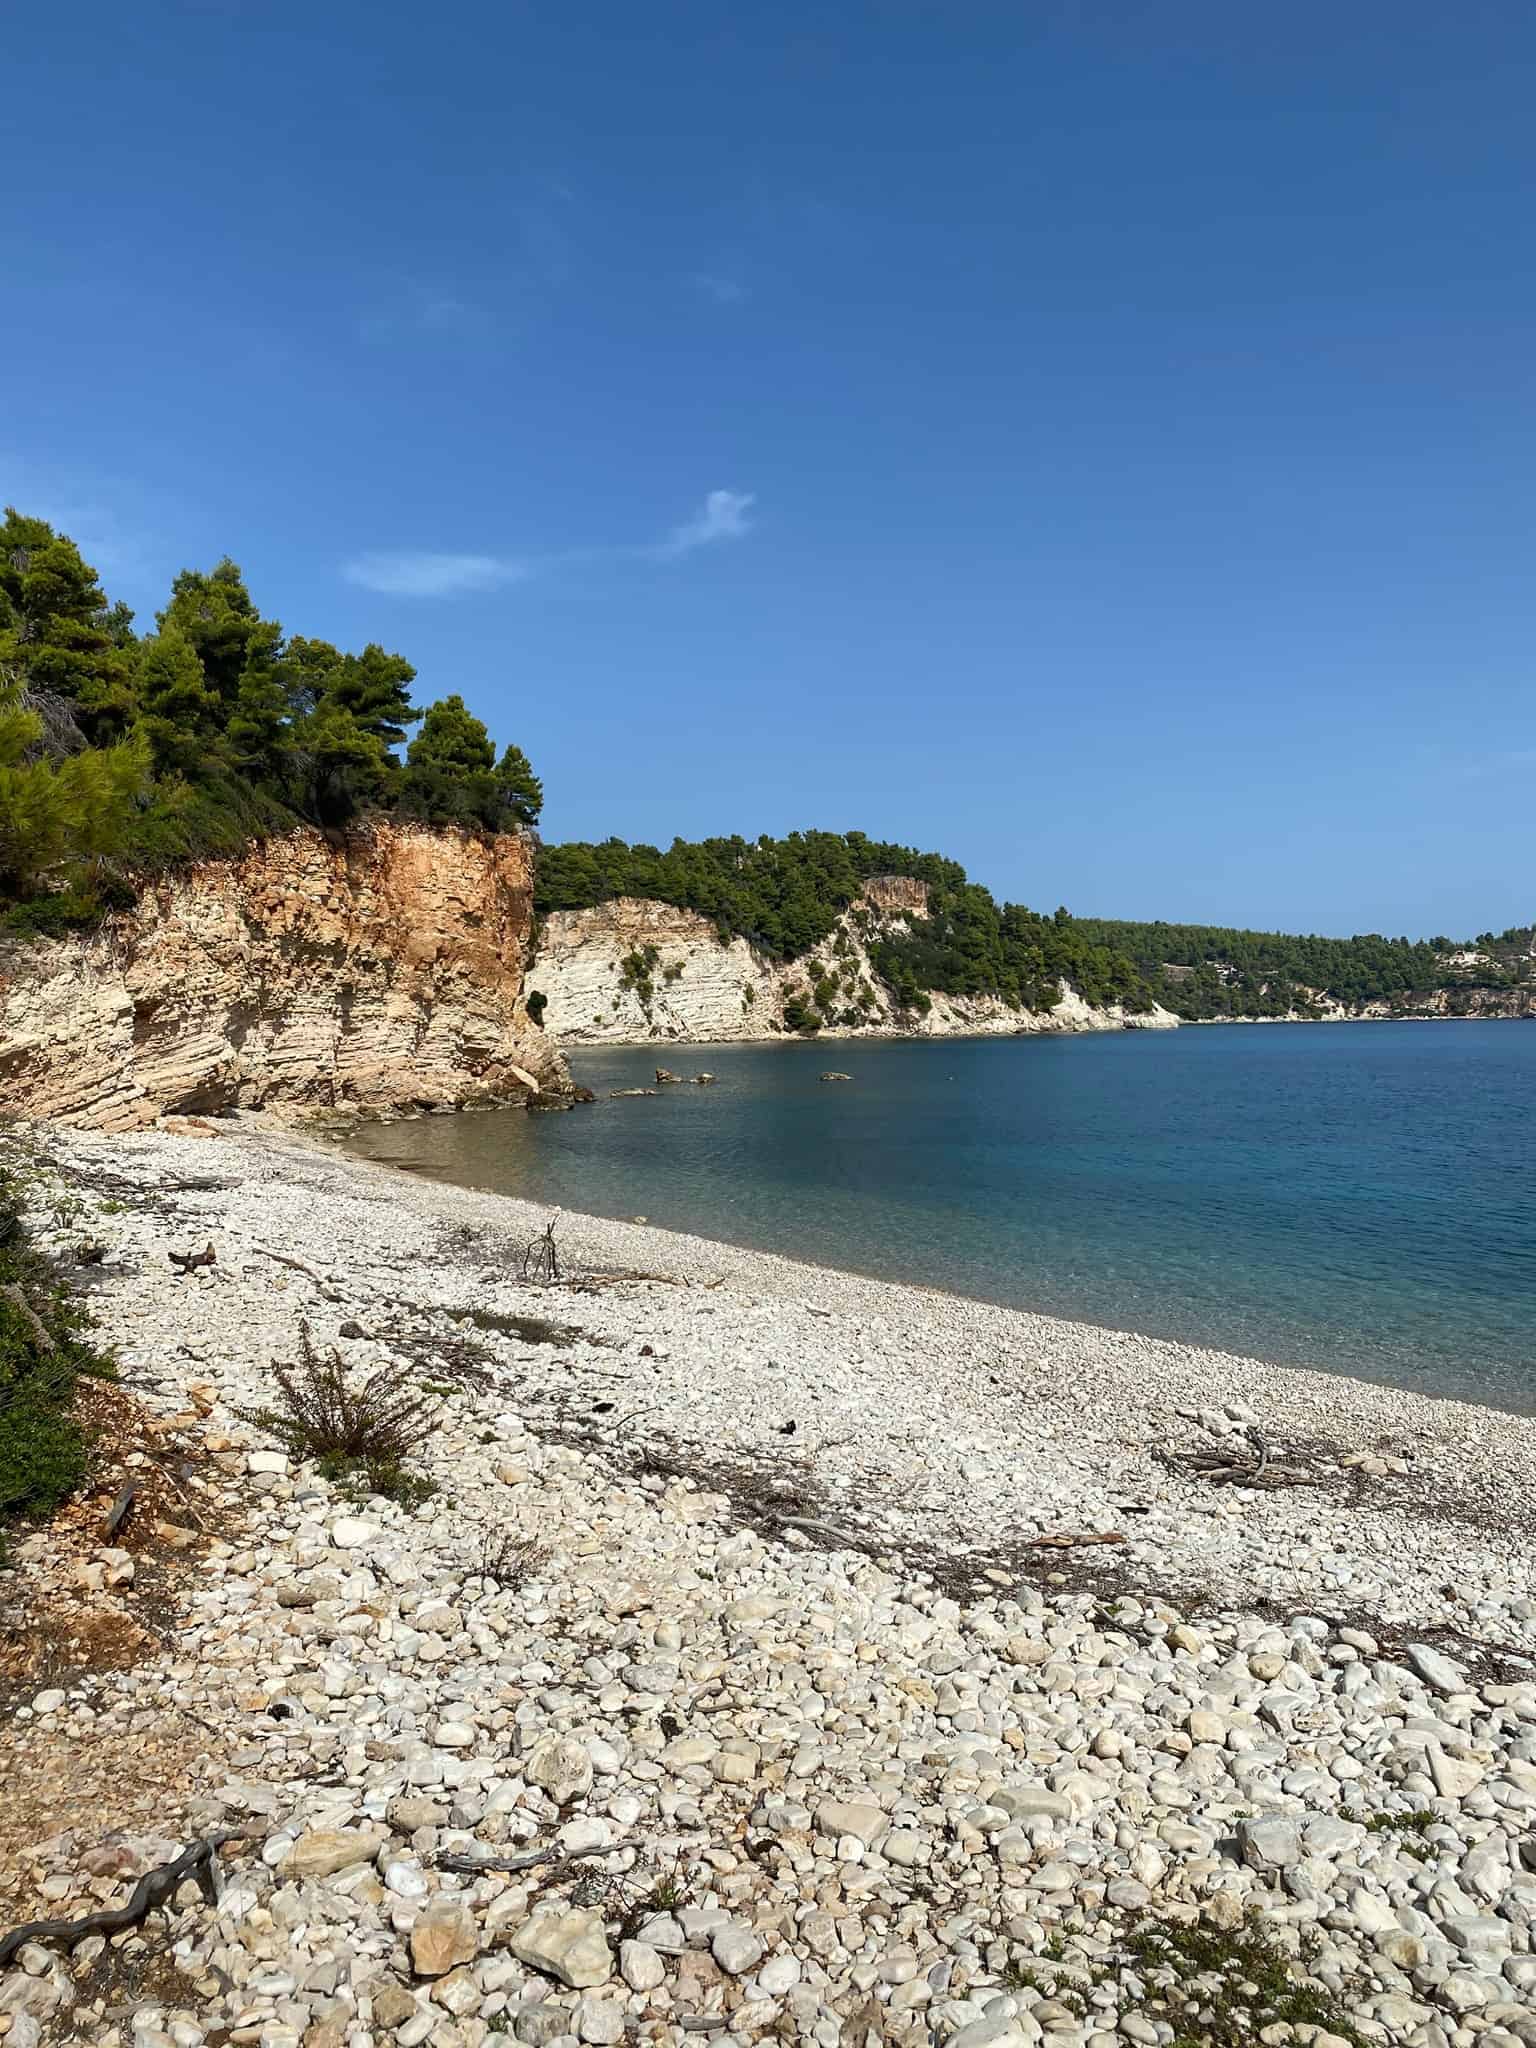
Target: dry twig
<point x="470" y="1866"/>
<point x="283" y="1259"/>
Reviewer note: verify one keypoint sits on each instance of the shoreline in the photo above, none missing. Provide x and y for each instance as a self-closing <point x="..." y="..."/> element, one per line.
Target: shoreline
<point x="1006" y="1037"/>
<point x="423" y="1175"/>
<point x="886" y="1663"/>
<point x="573" y="1041"/>
<point x="1480" y="1460"/>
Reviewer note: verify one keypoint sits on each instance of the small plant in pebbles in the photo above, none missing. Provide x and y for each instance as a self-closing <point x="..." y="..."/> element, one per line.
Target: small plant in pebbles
<point x="358" y="1432"/>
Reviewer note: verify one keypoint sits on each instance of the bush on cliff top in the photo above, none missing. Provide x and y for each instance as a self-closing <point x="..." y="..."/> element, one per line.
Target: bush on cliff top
<point x="122" y="753"/>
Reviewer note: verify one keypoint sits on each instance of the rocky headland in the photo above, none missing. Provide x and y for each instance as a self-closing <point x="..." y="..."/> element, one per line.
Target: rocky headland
<point x="631" y="971"/>
<point x="379" y="970"/>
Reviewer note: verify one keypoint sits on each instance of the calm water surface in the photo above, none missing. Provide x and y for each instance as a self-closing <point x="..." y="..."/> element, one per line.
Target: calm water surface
<point x="1354" y="1196"/>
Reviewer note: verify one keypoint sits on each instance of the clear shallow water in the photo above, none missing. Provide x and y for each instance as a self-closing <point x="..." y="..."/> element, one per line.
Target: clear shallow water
<point x="1359" y="1197"/>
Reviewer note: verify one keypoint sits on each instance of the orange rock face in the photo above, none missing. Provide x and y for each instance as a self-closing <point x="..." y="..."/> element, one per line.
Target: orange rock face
<point x="383" y="970"/>
<point x="896" y="894"/>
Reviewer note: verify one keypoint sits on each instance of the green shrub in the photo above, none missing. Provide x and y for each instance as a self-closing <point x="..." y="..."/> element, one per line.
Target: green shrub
<point x="799" y="1016"/>
<point x="42" y="1356"/>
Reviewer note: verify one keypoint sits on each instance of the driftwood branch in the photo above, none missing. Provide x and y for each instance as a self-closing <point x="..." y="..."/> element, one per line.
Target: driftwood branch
<point x="155" y="1888"/>
<point x="808" y="1525"/>
<point x="29" y="1315"/>
<point x="541" y="1257"/>
<point x="634" y="1415"/>
<point x="117" y="1514"/>
<point x="528" y="1859"/>
<point x="283" y="1259"/>
<point x="188" y="1262"/>
<point x="187" y="1500"/>
<point x="1236" y="1466"/>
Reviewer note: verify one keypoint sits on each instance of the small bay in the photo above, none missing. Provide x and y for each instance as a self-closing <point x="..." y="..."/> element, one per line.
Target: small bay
<point x="1355" y="1197"/>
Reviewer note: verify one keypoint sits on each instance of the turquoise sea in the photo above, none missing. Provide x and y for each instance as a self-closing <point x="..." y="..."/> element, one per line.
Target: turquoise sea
<point x="1357" y="1197"/>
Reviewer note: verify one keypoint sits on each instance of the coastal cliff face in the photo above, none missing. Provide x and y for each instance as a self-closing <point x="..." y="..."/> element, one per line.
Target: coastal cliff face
<point x="634" y="971"/>
<point x="380" y="972"/>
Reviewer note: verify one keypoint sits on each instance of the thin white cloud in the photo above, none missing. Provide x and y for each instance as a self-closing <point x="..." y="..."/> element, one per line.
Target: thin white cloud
<point x="417" y="573"/>
<point x="417" y="310"/>
<point x="414" y="572"/>
<point x="723" y="516"/>
<point x="719" y="287"/>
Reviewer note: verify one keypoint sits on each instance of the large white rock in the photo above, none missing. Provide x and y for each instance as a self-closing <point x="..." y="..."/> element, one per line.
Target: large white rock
<point x="572" y="1947"/>
<point x="561" y="1767"/>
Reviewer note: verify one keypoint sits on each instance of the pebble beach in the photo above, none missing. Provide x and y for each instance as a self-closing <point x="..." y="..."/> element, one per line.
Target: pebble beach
<point x="880" y="1664"/>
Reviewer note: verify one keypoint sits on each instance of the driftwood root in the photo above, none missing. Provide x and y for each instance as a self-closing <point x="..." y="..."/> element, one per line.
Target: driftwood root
<point x="155" y="1888"/>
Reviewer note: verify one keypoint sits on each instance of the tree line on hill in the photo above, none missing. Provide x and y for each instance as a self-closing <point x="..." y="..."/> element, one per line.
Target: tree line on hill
<point x="1211" y="971"/>
<point x="785" y="895"/>
<point x="121" y="752"/>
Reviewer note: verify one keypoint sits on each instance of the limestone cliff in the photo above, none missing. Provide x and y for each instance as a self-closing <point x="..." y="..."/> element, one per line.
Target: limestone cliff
<point x="632" y="971"/>
<point x="381" y="971"/>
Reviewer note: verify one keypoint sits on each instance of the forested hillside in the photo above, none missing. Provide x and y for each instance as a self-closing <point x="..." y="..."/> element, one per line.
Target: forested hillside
<point x="1214" y="971"/>
<point x="121" y="751"/>
<point x="785" y="895"/>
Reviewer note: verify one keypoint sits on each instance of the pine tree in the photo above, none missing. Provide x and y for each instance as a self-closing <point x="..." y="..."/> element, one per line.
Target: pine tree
<point x="520" y="792"/>
<point x="452" y="738"/>
<point x="343" y="769"/>
<point x="261" y="736"/>
<point x="448" y="768"/>
<point x="376" y="688"/>
<point x="59" y="816"/>
<point x="214" y="613"/>
<point x="179" y="715"/>
<point x="58" y="640"/>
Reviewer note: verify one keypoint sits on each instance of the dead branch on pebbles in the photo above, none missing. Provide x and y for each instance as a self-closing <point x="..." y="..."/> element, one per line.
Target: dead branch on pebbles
<point x="283" y="1259"/>
<point x="156" y="1887"/>
<point x="472" y="1866"/>
<point x="541" y="1257"/>
<point x="1244" y="1461"/>
<point x="189" y="1262"/>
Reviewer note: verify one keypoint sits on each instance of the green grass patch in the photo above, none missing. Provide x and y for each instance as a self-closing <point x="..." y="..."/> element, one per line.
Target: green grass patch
<point x="1219" y="1987"/>
<point x="1215" y="1987"/>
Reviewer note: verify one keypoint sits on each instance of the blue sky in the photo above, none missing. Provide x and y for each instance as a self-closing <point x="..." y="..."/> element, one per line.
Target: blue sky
<point x="1098" y="441"/>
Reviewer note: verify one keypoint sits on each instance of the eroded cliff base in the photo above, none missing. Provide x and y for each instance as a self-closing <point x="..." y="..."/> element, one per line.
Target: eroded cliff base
<point x="380" y="972"/>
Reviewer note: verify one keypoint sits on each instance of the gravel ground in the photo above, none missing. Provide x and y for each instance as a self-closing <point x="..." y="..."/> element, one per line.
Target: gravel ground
<point x="847" y="1751"/>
